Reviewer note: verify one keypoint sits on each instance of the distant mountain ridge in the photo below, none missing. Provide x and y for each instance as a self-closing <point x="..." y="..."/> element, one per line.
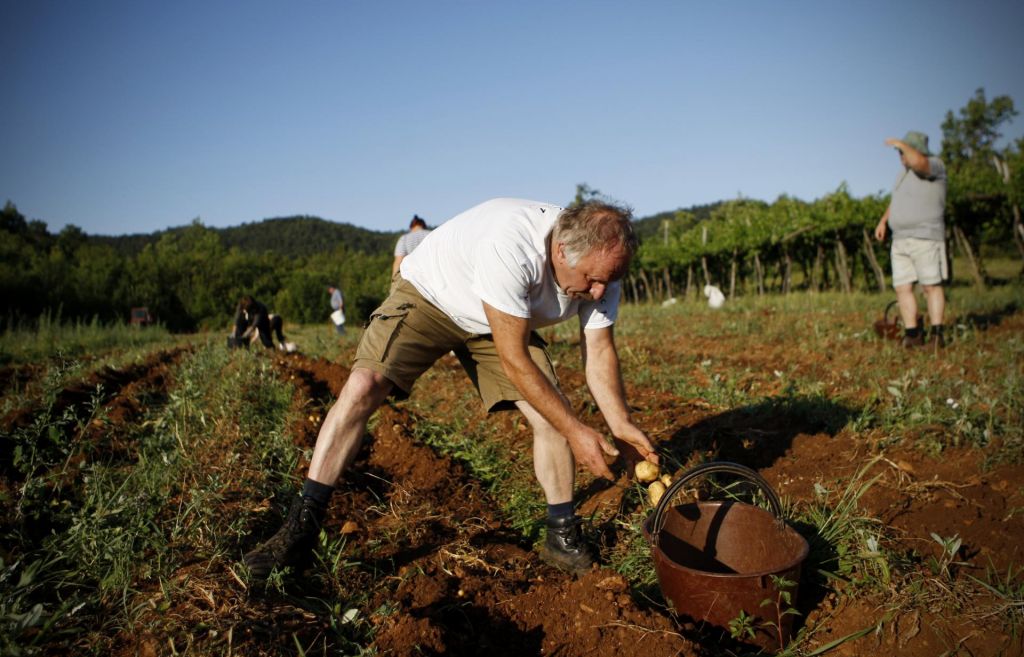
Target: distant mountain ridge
<point x="299" y="235"/>
<point x="305" y="235"/>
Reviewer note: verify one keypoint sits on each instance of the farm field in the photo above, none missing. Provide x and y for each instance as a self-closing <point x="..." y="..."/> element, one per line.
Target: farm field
<point x="131" y="482"/>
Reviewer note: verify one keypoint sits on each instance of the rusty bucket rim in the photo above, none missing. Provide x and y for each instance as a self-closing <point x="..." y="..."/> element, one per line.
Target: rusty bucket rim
<point x="797" y="562"/>
<point x="704" y="469"/>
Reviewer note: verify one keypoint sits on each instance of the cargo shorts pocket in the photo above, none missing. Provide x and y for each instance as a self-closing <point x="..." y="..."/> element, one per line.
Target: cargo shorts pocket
<point x="382" y="330"/>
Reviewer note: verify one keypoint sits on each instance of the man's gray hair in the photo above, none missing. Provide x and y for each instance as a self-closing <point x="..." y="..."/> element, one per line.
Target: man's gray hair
<point x="595" y="226"/>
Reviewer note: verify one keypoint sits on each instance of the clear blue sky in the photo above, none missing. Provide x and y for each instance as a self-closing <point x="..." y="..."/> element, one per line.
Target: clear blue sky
<point x="128" y="117"/>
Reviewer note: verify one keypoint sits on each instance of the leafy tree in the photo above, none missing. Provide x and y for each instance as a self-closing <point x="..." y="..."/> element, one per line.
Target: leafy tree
<point x="584" y="193"/>
<point x="979" y="198"/>
<point x="98" y="284"/>
<point x="12" y="221"/>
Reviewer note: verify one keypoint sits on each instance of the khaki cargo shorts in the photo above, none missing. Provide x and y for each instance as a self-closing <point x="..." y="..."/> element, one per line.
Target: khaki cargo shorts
<point x="915" y="259"/>
<point x="406" y="334"/>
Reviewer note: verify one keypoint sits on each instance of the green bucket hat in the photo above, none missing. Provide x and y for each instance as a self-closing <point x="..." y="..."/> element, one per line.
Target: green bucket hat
<point x="918" y="141"/>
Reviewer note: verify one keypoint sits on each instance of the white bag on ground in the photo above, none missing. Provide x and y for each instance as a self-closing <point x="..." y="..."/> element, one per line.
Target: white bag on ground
<point x="715" y="297"/>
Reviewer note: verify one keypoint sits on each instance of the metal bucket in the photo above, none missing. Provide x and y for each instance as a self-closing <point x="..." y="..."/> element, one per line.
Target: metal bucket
<point x="891" y="328"/>
<point x="728" y="564"/>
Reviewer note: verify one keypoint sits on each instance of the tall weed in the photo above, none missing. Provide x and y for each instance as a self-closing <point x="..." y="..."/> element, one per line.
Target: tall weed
<point x="48" y="335"/>
<point x="123" y="524"/>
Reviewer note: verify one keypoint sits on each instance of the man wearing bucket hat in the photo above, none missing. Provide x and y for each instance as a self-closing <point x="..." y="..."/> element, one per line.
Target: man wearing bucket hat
<point x="481" y="286"/>
<point x="915" y="218"/>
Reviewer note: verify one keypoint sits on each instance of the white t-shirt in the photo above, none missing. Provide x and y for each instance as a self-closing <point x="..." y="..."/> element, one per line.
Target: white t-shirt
<point x="496" y="252"/>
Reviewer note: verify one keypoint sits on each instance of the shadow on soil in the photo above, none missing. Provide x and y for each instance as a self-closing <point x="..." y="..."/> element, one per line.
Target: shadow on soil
<point x="472" y="630"/>
<point x="985" y="321"/>
<point x="759" y="434"/>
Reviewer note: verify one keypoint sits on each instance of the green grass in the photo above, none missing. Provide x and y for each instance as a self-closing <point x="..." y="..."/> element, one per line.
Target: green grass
<point x="97" y="546"/>
<point x="49" y="337"/>
<point x="56" y="354"/>
<point x="972" y="398"/>
<point x="128" y="525"/>
<point x="320" y="340"/>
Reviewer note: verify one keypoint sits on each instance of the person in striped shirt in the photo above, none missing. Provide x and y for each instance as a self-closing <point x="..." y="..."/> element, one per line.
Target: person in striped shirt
<point x="408" y="242"/>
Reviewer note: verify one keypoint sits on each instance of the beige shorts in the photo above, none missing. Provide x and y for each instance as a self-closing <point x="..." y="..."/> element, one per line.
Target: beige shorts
<point x="915" y="259"/>
<point x="407" y="334"/>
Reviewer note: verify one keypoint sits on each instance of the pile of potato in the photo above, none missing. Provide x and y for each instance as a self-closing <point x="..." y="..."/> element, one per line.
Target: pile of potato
<point x="657" y="483"/>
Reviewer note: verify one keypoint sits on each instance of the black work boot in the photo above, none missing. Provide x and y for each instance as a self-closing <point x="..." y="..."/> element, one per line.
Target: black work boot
<point x="293" y="544"/>
<point x="913" y="337"/>
<point x="564" y="547"/>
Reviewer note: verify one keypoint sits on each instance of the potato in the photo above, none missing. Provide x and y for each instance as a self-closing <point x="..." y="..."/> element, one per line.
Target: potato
<point x="655" y="491"/>
<point x="646" y="471"/>
<point x="666" y="479"/>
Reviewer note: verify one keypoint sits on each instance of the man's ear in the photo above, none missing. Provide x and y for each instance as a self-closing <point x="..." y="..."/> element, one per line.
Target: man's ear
<point x="560" y="252"/>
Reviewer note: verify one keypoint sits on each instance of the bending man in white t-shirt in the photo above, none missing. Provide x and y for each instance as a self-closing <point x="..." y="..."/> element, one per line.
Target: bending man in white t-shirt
<point x="481" y="285"/>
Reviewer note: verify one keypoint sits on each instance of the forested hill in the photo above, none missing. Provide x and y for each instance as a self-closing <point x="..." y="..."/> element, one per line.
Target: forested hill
<point x="285" y="236"/>
<point x="306" y="235"/>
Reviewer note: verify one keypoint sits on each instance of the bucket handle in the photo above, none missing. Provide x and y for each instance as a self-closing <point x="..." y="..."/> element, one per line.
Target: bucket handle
<point x="889" y="307"/>
<point x="658" y="517"/>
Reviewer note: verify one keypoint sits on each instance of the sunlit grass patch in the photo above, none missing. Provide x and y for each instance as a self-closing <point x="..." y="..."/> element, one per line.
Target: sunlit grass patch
<point x="321" y="341"/>
<point x="50" y="336"/>
<point x="762" y="348"/>
<point x="123" y="526"/>
<point x="940" y="411"/>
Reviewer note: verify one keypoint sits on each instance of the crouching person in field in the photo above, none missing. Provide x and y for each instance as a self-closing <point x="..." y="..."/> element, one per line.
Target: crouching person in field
<point x="480" y="286"/>
<point x="253" y="321"/>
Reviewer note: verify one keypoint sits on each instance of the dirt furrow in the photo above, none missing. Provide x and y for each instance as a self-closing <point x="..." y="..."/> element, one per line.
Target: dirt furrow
<point x="464" y="583"/>
<point x="89" y="417"/>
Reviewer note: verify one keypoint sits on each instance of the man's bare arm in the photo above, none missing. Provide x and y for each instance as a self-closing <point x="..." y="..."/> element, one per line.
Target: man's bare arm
<point x="916" y="160"/>
<point x="882" y="223"/>
<point x="511" y="339"/>
<point x="604" y="378"/>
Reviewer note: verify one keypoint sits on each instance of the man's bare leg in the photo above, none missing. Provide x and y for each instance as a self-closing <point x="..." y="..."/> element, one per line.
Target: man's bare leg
<point x="907" y="302"/>
<point x="336" y="446"/>
<point x="555" y="468"/>
<point x="553" y="461"/>
<point x="343" y="429"/>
